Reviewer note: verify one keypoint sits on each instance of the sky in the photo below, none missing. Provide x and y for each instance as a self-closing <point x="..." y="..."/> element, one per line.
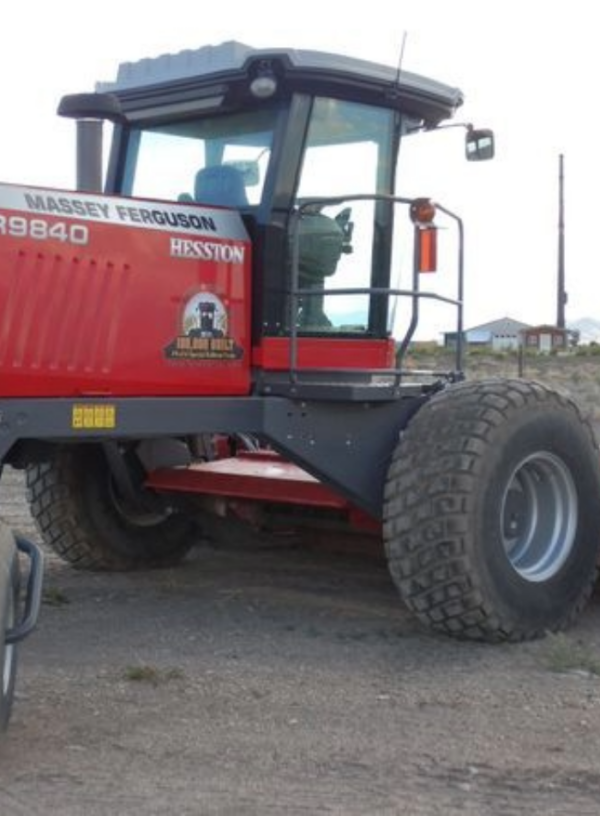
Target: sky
<point x="528" y="70"/>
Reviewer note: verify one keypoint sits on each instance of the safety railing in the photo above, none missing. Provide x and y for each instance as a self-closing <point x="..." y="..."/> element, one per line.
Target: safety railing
<point x="415" y="295"/>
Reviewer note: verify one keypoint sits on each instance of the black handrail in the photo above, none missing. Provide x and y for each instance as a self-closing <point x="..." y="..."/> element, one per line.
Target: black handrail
<point x="296" y="292"/>
<point x="33" y="594"/>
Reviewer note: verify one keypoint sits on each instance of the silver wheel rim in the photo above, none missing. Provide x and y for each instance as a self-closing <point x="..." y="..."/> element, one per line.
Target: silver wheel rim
<point x="539" y="516"/>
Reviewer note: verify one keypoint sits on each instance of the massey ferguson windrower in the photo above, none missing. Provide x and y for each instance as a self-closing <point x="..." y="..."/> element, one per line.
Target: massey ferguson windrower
<point x="220" y="327"/>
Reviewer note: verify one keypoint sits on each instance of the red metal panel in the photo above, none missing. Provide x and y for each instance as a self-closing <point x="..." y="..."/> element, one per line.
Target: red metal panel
<point x="109" y="296"/>
<point x="248" y="477"/>
<point x="324" y="352"/>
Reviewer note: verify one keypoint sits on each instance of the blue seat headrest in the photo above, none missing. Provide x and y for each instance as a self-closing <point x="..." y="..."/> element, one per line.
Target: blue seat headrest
<point x="221" y="184"/>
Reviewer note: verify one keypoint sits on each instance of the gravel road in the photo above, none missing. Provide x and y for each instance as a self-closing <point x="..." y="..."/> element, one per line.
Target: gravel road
<point x="265" y="678"/>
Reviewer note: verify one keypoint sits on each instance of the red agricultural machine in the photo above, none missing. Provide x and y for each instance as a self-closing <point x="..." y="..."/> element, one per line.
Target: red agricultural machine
<point x="207" y="330"/>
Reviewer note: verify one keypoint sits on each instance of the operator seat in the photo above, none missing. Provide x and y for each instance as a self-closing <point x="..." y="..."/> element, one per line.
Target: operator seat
<point x="220" y="184"/>
<point x="321" y="241"/>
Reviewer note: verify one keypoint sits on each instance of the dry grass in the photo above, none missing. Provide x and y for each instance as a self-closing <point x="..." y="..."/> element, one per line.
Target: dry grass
<point x="576" y="373"/>
<point x="53" y="596"/>
<point x="151" y="674"/>
<point x="561" y="653"/>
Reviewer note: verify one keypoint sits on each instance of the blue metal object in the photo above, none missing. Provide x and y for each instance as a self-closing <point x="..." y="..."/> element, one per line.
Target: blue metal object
<point x="33" y="592"/>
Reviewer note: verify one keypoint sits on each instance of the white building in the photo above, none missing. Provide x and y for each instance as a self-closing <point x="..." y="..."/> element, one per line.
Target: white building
<point x="498" y="335"/>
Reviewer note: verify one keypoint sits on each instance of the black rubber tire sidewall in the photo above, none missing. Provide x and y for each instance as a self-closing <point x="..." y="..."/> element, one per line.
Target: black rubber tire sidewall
<point x="442" y="506"/>
<point x="544" y="604"/>
<point x="71" y="501"/>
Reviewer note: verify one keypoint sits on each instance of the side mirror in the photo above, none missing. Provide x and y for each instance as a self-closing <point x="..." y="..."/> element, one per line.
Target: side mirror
<point x="479" y="144"/>
<point x="91" y="106"/>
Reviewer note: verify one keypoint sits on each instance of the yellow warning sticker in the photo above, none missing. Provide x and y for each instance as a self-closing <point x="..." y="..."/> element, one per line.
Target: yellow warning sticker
<point x="93" y="417"/>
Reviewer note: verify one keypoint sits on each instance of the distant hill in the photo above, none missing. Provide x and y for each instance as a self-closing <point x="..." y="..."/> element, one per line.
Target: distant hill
<point x="588" y="328"/>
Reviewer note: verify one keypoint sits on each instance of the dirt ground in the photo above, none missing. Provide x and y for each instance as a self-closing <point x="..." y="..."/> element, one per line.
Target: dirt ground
<point x="266" y="678"/>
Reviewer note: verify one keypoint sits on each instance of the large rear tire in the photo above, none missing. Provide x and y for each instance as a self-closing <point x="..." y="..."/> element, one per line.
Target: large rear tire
<point x="9" y="589"/>
<point x="75" y="504"/>
<point x="492" y="511"/>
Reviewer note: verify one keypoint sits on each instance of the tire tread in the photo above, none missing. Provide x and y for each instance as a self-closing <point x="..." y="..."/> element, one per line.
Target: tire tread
<point x="428" y="504"/>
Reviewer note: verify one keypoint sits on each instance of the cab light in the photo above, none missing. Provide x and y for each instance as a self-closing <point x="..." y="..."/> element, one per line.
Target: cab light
<point x="422" y="211"/>
<point x="264" y="84"/>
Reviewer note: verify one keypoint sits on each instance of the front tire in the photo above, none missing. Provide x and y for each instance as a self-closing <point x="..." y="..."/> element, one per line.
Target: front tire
<point x="492" y="511"/>
<point x="75" y="504"/>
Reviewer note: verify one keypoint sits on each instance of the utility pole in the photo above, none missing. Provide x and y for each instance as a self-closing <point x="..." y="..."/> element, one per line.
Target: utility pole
<point x="561" y="293"/>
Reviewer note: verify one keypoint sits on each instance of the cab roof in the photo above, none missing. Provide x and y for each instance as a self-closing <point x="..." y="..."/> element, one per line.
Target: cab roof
<point x="295" y="69"/>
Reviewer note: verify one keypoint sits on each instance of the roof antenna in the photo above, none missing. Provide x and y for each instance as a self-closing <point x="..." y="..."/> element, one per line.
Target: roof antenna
<point x="401" y="59"/>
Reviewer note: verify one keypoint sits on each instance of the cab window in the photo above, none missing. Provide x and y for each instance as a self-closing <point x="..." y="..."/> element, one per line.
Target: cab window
<point x="348" y="152"/>
<point x="219" y="160"/>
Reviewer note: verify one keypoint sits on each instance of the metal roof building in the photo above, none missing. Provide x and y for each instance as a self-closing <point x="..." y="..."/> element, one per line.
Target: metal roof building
<point x="501" y="334"/>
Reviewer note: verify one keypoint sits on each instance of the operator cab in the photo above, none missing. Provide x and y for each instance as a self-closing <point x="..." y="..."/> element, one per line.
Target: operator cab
<point x="305" y="146"/>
